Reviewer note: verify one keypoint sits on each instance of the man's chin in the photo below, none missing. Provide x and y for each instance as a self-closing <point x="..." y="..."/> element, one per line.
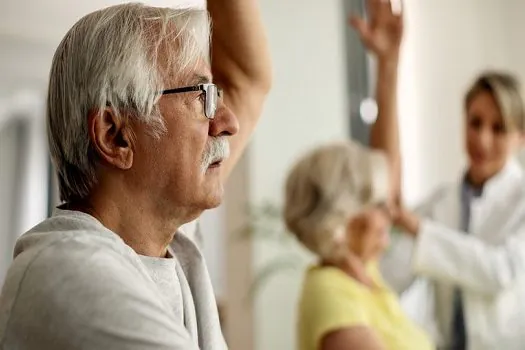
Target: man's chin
<point x="215" y="199"/>
<point x="214" y="203"/>
<point x="213" y="187"/>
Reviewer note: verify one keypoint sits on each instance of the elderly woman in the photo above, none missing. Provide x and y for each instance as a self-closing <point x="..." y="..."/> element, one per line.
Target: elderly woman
<point x="338" y="205"/>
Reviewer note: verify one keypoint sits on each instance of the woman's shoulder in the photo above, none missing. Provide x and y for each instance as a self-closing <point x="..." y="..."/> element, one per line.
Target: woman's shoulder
<point x="332" y="282"/>
<point x="328" y="278"/>
<point x="325" y="276"/>
<point x="329" y="294"/>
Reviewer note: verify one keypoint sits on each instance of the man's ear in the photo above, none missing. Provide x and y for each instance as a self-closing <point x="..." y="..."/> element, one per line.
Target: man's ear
<point x="111" y="137"/>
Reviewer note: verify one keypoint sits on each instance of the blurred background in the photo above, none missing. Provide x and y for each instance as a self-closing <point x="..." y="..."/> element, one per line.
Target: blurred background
<point x="321" y="79"/>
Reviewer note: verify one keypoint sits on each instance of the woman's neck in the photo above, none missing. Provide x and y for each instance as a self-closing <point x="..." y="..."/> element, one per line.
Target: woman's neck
<point x="355" y="268"/>
<point x="476" y="182"/>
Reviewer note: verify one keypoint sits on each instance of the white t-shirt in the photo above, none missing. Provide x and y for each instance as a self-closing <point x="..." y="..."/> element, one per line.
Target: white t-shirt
<point x="74" y="284"/>
<point x="164" y="273"/>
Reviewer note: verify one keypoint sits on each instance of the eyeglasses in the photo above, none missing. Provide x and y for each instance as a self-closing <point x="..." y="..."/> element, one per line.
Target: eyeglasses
<point x="212" y="95"/>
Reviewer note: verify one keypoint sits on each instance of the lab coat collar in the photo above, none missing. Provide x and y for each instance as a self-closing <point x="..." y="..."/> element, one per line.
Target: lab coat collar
<point x="510" y="173"/>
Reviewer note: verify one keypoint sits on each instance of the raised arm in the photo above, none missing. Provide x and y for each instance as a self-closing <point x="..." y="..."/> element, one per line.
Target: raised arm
<point x="382" y="35"/>
<point x="240" y="65"/>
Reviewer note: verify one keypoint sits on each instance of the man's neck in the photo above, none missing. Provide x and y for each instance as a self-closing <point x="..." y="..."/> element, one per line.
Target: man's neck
<point x="146" y="233"/>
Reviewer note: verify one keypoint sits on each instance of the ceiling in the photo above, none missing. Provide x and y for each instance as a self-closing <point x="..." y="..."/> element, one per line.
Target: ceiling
<point x="46" y="21"/>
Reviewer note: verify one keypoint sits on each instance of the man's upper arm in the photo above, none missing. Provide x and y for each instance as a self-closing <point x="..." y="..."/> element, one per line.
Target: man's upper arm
<point x="89" y="299"/>
<point x="240" y="65"/>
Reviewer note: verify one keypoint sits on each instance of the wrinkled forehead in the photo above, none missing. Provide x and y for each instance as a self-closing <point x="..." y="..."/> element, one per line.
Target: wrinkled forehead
<point x="180" y="52"/>
<point x="182" y="66"/>
<point x="194" y="74"/>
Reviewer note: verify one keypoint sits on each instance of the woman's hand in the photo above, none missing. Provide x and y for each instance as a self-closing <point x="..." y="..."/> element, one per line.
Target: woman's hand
<point x="383" y="32"/>
<point x="407" y="220"/>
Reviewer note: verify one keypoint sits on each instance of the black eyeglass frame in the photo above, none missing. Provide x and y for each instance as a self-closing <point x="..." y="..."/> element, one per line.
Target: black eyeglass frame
<point x="212" y="95"/>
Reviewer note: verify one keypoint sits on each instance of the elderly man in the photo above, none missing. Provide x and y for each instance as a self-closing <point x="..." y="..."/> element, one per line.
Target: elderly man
<point x="140" y="136"/>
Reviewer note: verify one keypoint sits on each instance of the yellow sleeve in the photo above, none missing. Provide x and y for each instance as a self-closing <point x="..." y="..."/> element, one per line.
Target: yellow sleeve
<point x="330" y="303"/>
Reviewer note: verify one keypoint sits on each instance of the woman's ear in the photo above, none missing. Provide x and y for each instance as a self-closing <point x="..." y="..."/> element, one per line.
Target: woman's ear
<point x="112" y="137"/>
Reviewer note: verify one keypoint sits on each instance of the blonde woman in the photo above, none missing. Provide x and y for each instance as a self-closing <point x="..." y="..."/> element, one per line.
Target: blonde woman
<point x="338" y="206"/>
<point x="468" y="238"/>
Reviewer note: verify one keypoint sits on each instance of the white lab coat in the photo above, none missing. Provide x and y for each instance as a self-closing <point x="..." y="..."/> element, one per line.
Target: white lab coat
<point x="488" y="263"/>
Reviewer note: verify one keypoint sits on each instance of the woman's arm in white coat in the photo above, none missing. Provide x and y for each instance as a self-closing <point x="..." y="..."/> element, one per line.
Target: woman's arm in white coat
<point x="452" y="256"/>
<point x="448" y="255"/>
<point x="396" y="263"/>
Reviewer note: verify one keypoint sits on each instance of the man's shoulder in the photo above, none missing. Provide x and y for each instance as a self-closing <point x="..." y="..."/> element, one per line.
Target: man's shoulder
<point x="66" y="242"/>
<point x="72" y="273"/>
<point x="85" y="294"/>
<point x="62" y="257"/>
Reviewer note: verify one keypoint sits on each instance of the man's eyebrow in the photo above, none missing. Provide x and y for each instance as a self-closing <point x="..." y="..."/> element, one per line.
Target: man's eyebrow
<point x="200" y="79"/>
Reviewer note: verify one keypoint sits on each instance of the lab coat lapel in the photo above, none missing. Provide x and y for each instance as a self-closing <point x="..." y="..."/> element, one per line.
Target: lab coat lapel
<point x="449" y="213"/>
<point x="494" y="210"/>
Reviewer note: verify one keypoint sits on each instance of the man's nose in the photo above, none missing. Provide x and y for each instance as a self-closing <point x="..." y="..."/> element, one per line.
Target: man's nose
<point x="225" y="122"/>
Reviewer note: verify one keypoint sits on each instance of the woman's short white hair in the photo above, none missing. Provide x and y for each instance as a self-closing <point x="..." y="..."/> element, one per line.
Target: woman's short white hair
<point x="326" y="187"/>
<point x="109" y="58"/>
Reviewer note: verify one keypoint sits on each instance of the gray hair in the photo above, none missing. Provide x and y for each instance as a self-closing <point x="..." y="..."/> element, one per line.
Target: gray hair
<point x="109" y="58"/>
<point x="329" y="185"/>
<point x="506" y="89"/>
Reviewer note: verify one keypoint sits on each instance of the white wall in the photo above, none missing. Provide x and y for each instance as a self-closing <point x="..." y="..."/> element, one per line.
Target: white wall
<point x="515" y="14"/>
<point x="448" y="42"/>
<point x="213" y="228"/>
<point x="307" y="105"/>
<point x="23" y="171"/>
<point x="8" y="161"/>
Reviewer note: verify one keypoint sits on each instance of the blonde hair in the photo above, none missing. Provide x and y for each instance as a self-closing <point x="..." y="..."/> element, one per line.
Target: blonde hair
<point x="506" y="89"/>
<point x="329" y="185"/>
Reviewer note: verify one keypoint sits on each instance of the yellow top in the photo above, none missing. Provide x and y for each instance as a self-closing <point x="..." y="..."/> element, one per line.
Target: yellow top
<point x="332" y="300"/>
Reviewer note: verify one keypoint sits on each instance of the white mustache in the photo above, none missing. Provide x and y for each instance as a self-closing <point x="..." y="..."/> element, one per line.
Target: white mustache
<point x="217" y="149"/>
